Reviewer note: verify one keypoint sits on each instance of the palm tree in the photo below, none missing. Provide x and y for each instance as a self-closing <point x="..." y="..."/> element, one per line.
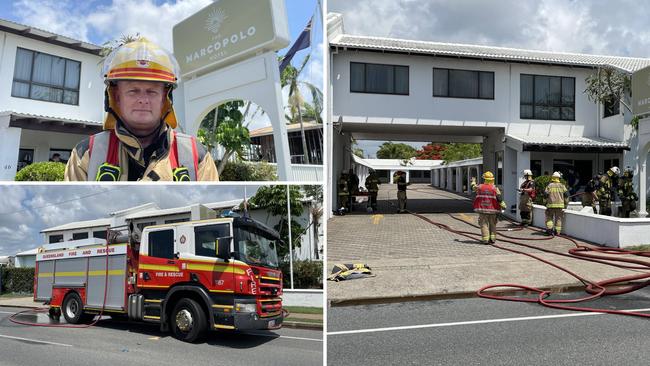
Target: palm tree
<point x="296" y="101"/>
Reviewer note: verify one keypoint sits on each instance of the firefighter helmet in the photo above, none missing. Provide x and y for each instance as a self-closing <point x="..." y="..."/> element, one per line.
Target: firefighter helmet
<point x="488" y="176"/>
<point x="527" y="173"/>
<point x="557" y="175"/>
<point x="629" y="173"/>
<point x="140" y="60"/>
<point x="615" y="170"/>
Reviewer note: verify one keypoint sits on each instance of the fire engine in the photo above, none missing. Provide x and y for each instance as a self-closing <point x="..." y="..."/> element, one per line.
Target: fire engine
<point x="218" y="274"/>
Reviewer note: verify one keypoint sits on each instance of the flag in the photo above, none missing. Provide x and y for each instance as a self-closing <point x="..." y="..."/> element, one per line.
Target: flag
<point x="303" y="41"/>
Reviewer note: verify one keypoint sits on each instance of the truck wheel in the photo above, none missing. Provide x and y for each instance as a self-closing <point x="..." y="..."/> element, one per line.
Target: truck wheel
<point x="73" y="308"/>
<point x="188" y="321"/>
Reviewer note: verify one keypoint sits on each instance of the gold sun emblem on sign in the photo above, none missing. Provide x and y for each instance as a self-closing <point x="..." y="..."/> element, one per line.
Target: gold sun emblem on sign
<point x="215" y="19"/>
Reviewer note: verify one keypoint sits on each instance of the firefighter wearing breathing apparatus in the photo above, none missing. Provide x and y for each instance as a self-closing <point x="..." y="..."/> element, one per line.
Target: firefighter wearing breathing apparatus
<point x="606" y="191"/>
<point x="626" y="193"/>
<point x="527" y="190"/>
<point x="372" y="185"/>
<point x="557" y="198"/>
<point x="139" y="141"/>
<point x="487" y="203"/>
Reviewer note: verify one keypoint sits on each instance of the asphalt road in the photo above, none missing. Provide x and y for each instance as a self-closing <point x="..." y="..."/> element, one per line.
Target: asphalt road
<point x="488" y="332"/>
<point x="123" y="343"/>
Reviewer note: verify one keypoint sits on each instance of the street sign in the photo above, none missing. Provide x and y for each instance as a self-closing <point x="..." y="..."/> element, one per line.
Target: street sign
<point x="228" y="31"/>
<point x="641" y="91"/>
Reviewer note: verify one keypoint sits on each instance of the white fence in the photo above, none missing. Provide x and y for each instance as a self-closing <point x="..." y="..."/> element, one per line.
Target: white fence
<point x="609" y="231"/>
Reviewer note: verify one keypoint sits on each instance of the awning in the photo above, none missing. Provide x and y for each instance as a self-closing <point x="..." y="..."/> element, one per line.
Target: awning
<point x="569" y="144"/>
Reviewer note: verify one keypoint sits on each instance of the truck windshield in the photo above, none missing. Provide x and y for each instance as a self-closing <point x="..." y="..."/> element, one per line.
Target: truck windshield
<point x="255" y="247"/>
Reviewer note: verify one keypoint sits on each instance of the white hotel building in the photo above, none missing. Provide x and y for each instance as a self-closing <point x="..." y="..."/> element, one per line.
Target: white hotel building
<point x="51" y="95"/>
<point x="526" y="107"/>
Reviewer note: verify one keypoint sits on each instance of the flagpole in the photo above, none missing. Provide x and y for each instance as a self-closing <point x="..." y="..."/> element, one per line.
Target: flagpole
<point x="290" y="241"/>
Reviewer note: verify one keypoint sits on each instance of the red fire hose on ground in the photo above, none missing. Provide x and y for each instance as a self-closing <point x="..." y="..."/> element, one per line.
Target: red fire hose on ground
<point x="595" y="290"/>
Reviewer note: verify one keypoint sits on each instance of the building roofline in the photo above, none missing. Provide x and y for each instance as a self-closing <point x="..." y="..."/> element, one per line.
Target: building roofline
<point x="48" y="37"/>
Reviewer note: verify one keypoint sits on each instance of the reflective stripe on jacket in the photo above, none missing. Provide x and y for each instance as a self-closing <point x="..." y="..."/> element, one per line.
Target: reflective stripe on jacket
<point x="486" y="200"/>
<point x="556" y="193"/>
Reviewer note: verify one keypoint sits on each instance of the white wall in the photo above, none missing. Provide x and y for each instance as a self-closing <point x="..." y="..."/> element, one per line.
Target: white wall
<point x="91" y="86"/>
<point x="25" y="261"/>
<point x="420" y="103"/>
<point x="43" y="141"/>
<point x="312" y="298"/>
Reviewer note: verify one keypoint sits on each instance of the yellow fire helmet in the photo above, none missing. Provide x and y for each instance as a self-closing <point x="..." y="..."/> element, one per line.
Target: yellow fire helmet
<point x="140" y="60"/>
<point x="488" y="176"/>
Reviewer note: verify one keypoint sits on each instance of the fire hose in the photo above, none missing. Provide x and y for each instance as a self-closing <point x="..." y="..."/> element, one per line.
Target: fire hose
<point x="594" y="289"/>
<point x="13" y="317"/>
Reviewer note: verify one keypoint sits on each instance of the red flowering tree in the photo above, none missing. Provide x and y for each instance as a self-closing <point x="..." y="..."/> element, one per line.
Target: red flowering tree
<point x="430" y="152"/>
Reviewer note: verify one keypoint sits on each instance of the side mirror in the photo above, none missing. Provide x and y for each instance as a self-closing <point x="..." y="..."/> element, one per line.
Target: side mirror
<point x="223" y="247"/>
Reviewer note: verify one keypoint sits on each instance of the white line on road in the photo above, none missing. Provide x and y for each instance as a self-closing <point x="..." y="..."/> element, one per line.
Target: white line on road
<point x="289" y="337"/>
<point x="8" y="312"/>
<point x="35" y="341"/>
<point x="438" y="325"/>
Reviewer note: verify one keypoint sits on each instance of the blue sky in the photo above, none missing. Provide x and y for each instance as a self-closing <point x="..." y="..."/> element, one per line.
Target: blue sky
<point x="25" y="210"/>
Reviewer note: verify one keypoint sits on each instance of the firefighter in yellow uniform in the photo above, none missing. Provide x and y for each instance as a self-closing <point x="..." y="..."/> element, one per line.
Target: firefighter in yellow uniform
<point x="487" y="203"/>
<point x="557" y="198"/>
<point x="372" y="185"/>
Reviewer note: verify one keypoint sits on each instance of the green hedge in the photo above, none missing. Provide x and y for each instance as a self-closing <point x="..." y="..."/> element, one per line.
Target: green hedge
<point x="241" y="171"/>
<point x="42" y="171"/>
<point x="306" y="274"/>
<point x="17" y="280"/>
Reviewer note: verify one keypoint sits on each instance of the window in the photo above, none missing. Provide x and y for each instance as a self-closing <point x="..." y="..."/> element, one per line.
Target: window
<point x="143" y="225"/>
<point x="45" y="77"/>
<point x="536" y="167"/>
<point x="78" y="236"/>
<point x="100" y="234"/>
<point x="463" y="84"/>
<point x="608" y="163"/>
<point x="547" y="97"/>
<point x="205" y="241"/>
<point x="56" y="238"/>
<point x="161" y="244"/>
<point x="60" y="155"/>
<point x="381" y="79"/>
<point x="611" y="107"/>
<point x="25" y="157"/>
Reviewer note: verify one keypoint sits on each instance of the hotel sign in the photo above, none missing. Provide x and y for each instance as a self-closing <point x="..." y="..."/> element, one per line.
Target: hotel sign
<point x="641" y="91"/>
<point x="228" y="31"/>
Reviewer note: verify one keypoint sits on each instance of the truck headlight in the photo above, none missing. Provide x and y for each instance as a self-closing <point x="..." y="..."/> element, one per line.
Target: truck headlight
<point x="246" y="308"/>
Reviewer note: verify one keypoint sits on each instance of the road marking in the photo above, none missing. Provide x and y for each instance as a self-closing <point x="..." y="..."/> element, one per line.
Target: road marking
<point x="289" y="337"/>
<point x="35" y="341"/>
<point x="376" y="219"/>
<point x="8" y="312"/>
<point x="486" y="321"/>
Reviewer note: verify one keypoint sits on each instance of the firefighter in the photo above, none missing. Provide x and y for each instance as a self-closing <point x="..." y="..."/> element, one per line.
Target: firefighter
<point x="626" y="193"/>
<point x="139" y="141"/>
<point x="353" y="186"/>
<point x="372" y="185"/>
<point x="589" y="196"/>
<point x="488" y="203"/>
<point x="401" y="191"/>
<point x="606" y="191"/>
<point x="526" y="198"/>
<point x="344" y="194"/>
<point x="557" y="198"/>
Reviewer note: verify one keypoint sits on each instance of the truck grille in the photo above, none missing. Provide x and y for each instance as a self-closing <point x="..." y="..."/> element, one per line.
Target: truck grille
<point x="270" y="307"/>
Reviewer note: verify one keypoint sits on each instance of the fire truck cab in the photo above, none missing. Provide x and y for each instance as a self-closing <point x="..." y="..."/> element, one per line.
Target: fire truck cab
<point x="219" y="274"/>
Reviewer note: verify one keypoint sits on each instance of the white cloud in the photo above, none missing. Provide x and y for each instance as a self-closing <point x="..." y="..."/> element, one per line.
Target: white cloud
<point x="601" y="27"/>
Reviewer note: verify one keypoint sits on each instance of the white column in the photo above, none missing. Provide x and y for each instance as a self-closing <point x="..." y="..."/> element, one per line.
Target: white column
<point x="641" y="168"/>
<point x="408" y="176"/>
<point x="10" y="137"/>
<point x="459" y="179"/>
<point x="469" y="184"/>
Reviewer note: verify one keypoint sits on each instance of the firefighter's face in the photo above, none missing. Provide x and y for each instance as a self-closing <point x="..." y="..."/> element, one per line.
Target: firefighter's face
<point x="140" y="104"/>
